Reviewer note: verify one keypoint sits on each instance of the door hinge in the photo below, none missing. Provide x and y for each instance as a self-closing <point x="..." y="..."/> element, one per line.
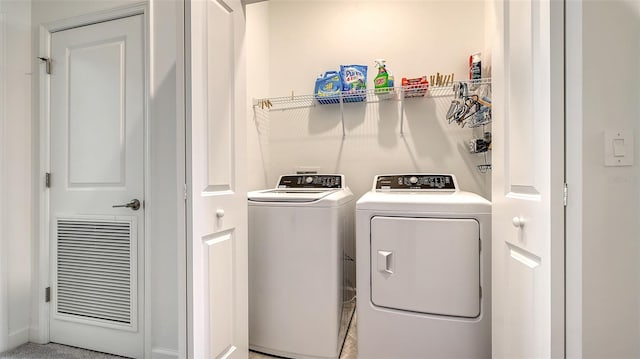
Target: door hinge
<point x="47" y="64"/>
<point x="47" y="180"/>
<point x="47" y="294"/>
<point x="480" y="244"/>
<point x="184" y="192"/>
<point x="481" y="292"/>
<point x="565" y="194"/>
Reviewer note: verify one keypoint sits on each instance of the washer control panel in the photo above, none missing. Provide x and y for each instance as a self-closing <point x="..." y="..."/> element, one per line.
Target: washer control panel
<point x="415" y="182"/>
<point x="311" y="181"/>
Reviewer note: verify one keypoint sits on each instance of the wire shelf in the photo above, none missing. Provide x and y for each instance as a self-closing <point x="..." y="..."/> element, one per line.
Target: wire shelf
<point x="483" y="122"/>
<point x="486" y="166"/>
<point x="363" y="96"/>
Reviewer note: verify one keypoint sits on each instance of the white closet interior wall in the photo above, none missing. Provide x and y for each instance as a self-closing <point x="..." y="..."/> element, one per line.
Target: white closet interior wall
<point x="291" y="42"/>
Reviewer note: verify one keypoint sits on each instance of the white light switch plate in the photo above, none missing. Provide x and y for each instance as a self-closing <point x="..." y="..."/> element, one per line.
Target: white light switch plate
<point x="618" y="148"/>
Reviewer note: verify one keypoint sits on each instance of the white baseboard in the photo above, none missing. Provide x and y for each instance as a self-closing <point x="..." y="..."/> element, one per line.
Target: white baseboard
<point x="164" y="353"/>
<point x="35" y="336"/>
<point x="18" y="337"/>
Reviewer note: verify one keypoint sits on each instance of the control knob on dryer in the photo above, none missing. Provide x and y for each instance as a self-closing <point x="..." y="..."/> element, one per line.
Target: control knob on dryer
<point x="309" y="180"/>
<point x="413" y="179"/>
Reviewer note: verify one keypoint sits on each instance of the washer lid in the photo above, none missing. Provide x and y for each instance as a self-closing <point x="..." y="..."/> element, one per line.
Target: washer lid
<point x="290" y="195"/>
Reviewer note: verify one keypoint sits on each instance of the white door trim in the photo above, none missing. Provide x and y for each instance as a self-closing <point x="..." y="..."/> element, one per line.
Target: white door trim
<point x="181" y="136"/>
<point x="4" y="309"/>
<point x="574" y="171"/>
<point x="40" y="334"/>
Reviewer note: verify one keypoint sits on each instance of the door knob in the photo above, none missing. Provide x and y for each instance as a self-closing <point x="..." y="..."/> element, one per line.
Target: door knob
<point x="518" y="222"/>
<point x="220" y="213"/>
<point x="134" y="205"/>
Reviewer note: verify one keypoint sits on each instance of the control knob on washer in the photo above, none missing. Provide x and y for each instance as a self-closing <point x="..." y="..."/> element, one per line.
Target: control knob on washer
<point x="309" y="180"/>
<point x="413" y="179"/>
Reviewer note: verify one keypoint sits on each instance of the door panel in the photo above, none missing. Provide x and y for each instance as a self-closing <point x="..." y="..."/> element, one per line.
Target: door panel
<point x="220" y="111"/>
<point x="217" y="209"/>
<point x="97" y="161"/>
<point x="221" y="294"/>
<point x="426" y="265"/>
<point x="96" y="128"/>
<point x="520" y="101"/>
<point x="528" y="176"/>
<point x="522" y="330"/>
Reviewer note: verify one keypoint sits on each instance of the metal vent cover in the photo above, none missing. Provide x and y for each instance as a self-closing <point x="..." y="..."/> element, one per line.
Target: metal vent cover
<point x="95" y="270"/>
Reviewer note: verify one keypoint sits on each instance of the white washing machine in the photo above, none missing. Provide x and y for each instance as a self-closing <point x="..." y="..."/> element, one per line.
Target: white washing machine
<point x="423" y="257"/>
<point x="301" y="266"/>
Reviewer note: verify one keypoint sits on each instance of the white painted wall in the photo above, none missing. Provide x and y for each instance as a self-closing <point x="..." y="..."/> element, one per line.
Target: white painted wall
<point x="165" y="206"/>
<point x="611" y="250"/>
<point x="4" y="296"/>
<point x="573" y="163"/>
<point x="257" y="38"/>
<point x="604" y="203"/>
<point x="416" y="38"/>
<point x="15" y="172"/>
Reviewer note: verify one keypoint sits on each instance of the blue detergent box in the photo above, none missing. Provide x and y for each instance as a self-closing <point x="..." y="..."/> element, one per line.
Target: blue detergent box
<point x="354" y="82"/>
<point x="328" y="88"/>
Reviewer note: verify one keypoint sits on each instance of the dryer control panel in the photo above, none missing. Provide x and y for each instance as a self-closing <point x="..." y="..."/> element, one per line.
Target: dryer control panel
<point x="311" y="181"/>
<point x="415" y="182"/>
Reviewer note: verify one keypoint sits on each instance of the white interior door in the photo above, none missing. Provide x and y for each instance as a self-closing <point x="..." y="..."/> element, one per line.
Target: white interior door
<point x="97" y="161"/>
<point x="217" y="202"/>
<point x="528" y="177"/>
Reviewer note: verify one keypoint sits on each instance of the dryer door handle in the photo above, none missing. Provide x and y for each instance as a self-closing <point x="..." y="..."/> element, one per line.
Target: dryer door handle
<point x="385" y="262"/>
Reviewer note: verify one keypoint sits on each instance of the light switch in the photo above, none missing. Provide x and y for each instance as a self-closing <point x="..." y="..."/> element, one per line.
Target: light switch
<point x="618" y="148"/>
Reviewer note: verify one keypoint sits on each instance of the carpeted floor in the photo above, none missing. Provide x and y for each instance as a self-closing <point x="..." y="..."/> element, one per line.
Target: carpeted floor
<point x="53" y="351"/>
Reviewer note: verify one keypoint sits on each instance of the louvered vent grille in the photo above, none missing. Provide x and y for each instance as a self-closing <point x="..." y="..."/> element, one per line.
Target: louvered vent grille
<point x="94" y="270"/>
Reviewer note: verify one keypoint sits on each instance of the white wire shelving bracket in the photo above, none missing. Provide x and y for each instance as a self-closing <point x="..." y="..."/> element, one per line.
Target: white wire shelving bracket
<point x="361" y="97"/>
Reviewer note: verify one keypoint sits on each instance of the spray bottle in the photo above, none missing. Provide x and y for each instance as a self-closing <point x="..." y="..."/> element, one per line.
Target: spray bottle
<point x="384" y="79"/>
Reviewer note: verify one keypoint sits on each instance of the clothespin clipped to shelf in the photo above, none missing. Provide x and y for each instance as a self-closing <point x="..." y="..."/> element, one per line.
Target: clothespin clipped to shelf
<point x="265" y="103"/>
<point x="439" y="80"/>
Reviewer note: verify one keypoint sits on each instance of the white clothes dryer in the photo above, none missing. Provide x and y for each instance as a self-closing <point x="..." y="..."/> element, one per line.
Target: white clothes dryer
<point x="301" y="266"/>
<point x="423" y="262"/>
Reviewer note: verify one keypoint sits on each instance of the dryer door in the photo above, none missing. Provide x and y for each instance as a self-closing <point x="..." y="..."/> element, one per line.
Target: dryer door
<point x="426" y="265"/>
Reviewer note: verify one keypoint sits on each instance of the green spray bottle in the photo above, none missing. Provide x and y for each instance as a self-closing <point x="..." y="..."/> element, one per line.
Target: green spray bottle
<point x="384" y="80"/>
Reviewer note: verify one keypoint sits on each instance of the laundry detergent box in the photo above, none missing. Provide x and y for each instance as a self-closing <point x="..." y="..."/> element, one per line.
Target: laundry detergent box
<point x="328" y="87"/>
<point x="354" y="82"/>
